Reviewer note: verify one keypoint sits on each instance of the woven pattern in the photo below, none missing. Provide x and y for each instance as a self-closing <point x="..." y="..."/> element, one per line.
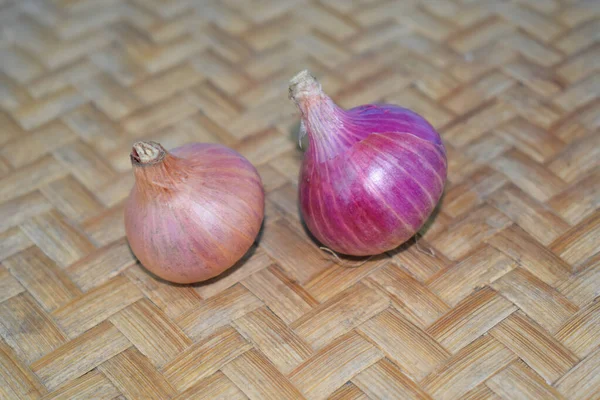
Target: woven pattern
<point x="497" y="301"/>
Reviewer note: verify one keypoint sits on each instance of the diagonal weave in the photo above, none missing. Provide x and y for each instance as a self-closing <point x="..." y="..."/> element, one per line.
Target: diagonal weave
<point x="499" y="299"/>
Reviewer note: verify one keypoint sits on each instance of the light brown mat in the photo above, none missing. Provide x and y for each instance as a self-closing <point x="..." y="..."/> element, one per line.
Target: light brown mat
<point x="499" y="301"/>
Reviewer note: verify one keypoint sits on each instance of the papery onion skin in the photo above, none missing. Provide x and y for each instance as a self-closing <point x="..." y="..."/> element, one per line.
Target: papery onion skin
<point x="372" y="175"/>
<point x="194" y="211"/>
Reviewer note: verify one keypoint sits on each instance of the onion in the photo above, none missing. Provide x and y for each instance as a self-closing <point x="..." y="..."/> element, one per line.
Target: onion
<point x="371" y="176"/>
<point x="193" y="212"/>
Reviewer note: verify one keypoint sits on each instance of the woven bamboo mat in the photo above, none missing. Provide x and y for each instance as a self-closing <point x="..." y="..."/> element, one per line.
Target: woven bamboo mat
<point x="498" y="301"/>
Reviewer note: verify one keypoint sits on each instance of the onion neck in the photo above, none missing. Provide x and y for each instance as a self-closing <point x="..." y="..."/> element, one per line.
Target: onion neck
<point x="156" y="170"/>
<point x="326" y="124"/>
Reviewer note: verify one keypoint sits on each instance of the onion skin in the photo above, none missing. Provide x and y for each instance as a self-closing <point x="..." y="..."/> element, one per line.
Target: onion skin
<point x="194" y="211"/>
<point x="372" y="175"/>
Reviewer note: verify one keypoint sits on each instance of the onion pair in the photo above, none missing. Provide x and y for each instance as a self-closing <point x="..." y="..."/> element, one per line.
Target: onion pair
<point x="371" y="177"/>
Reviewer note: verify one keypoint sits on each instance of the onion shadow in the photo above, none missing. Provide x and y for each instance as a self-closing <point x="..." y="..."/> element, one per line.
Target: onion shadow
<point x="239" y="264"/>
<point x="354" y="261"/>
<point x="413" y="241"/>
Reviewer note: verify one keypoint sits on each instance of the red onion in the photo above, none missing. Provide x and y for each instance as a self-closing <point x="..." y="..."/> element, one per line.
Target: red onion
<point x="371" y="176"/>
<point x="193" y="212"/>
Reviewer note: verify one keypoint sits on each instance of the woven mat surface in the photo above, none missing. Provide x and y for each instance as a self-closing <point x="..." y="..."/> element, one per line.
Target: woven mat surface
<point x="499" y="299"/>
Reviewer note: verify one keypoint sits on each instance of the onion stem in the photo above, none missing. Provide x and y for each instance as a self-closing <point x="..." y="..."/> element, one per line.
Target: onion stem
<point x="146" y="153"/>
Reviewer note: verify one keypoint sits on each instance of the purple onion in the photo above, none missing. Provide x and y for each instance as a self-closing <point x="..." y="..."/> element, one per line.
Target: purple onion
<point x="372" y="175"/>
